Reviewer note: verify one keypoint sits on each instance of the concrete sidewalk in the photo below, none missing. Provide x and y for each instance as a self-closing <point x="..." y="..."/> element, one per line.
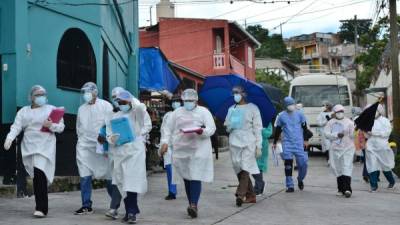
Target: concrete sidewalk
<point x="317" y="204"/>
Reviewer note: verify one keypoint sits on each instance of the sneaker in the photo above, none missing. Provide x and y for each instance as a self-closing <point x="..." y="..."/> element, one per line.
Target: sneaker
<point x="339" y="193"/>
<point x="373" y="190"/>
<point x="239" y="202"/>
<point x="170" y="197"/>
<point x="347" y="194"/>
<point x="84" y="211"/>
<point x="289" y="190"/>
<point x="391" y="186"/>
<point x="192" y="211"/>
<point x="301" y="185"/>
<point x="131" y="219"/>
<point x="112" y="213"/>
<point x="39" y="214"/>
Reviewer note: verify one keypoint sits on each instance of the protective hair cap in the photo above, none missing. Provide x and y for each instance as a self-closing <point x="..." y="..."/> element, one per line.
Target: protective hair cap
<point x="239" y="89"/>
<point x="124" y="95"/>
<point x="289" y="101"/>
<point x="189" y="95"/>
<point x="327" y="103"/>
<point x="115" y="91"/>
<point x="37" y="88"/>
<point x="338" y="108"/>
<point x="90" y="87"/>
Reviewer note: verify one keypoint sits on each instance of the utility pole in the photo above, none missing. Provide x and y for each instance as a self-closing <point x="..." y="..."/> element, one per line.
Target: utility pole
<point x="355" y="36"/>
<point x="394" y="58"/>
<point x="280" y="25"/>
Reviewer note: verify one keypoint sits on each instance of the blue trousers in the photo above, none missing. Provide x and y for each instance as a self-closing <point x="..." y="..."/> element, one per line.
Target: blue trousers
<point x="86" y="190"/>
<point x="374" y="176"/>
<point x="302" y="165"/>
<point x="131" y="205"/>
<point x="193" y="191"/>
<point x="259" y="182"/>
<point x="171" y="186"/>
<point x="115" y="195"/>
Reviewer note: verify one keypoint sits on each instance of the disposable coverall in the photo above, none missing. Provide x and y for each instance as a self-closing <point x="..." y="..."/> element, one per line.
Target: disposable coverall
<point x="38" y="148"/>
<point x="192" y="153"/>
<point x="341" y="152"/>
<point x="379" y="156"/>
<point x="168" y="157"/>
<point x="244" y="124"/>
<point x="322" y="121"/>
<point x="129" y="167"/>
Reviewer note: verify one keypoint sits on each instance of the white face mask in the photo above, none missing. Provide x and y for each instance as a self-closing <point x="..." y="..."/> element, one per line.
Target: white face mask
<point x="176" y="105"/>
<point x="339" y="115"/>
<point x="291" y="108"/>
<point x="40" y="100"/>
<point x="87" y="97"/>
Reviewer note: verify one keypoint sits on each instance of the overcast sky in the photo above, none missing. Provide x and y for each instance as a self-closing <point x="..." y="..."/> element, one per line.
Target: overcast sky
<point x="301" y="17"/>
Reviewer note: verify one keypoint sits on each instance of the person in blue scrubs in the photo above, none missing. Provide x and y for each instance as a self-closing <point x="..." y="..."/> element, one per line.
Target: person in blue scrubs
<point x="292" y="123"/>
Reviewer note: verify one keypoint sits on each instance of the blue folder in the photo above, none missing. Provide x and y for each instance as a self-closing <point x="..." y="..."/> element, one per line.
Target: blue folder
<point x="123" y="127"/>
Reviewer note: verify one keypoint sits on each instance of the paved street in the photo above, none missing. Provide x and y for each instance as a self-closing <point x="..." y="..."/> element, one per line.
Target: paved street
<point x="317" y="204"/>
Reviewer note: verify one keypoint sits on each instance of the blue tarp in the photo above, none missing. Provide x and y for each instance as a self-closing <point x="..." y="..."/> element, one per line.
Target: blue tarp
<point x="155" y="73"/>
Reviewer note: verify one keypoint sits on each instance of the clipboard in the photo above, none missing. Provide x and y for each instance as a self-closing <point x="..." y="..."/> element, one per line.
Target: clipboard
<point x="56" y="115"/>
<point x="123" y="127"/>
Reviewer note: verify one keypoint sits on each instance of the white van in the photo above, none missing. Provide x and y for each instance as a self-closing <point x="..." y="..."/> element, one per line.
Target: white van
<point x="311" y="90"/>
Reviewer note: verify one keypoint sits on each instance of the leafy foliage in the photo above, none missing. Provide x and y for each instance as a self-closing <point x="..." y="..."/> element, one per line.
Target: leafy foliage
<point x="347" y="29"/>
<point x="273" y="79"/>
<point x="272" y="46"/>
<point x="375" y="40"/>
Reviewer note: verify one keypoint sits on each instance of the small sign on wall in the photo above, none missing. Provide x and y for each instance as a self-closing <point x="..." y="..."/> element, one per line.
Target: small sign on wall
<point x="5" y="67"/>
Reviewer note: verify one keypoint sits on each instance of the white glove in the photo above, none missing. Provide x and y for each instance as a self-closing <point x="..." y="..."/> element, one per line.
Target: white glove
<point x="7" y="144"/>
<point x="258" y="152"/>
<point x="113" y="138"/>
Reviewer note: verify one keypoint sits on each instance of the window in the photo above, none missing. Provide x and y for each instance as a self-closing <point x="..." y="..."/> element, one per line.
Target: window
<point x="218" y="44"/>
<point x="188" y="83"/>
<point x="76" y="62"/>
<point x="250" y="57"/>
<point x="314" y="95"/>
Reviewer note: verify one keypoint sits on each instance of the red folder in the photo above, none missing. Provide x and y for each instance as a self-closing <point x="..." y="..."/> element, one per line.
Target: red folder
<point x="56" y="115"/>
<point x="191" y="130"/>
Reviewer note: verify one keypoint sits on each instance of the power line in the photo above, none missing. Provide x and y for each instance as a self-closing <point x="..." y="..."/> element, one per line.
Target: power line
<point x="46" y="2"/>
<point x="310" y="12"/>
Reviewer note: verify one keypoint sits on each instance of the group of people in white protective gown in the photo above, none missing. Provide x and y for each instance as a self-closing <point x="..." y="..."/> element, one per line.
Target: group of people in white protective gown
<point x="185" y="146"/>
<point x="340" y="139"/>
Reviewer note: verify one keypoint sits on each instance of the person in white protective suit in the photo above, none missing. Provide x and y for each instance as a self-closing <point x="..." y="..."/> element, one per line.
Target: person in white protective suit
<point x="322" y="120"/>
<point x="90" y="119"/>
<point x="167" y="156"/>
<point x="379" y="156"/>
<point x="112" y="189"/>
<point x="340" y="132"/>
<point x="244" y="125"/>
<point x="129" y="159"/>
<point x="189" y="130"/>
<point x="38" y="148"/>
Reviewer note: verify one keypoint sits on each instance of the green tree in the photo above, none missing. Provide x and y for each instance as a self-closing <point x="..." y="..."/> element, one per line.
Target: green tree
<point x="347" y="29"/>
<point x="295" y="56"/>
<point x="273" y="79"/>
<point x="272" y="46"/>
<point x="260" y="33"/>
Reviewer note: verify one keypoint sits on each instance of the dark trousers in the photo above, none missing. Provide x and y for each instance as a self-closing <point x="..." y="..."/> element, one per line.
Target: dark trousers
<point x="40" y="191"/>
<point x="193" y="191"/>
<point x="258" y="182"/>
<point x="131" y="205"/>
<point x="245" y="188"/>
<point x="365" y="171"/>
<point x="344" y="184"/>
<point x="374" y="178"/>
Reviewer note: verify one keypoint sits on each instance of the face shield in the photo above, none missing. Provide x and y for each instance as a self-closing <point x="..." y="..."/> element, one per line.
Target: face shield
<point x="38" y="95"/>
<point x="89" y="92"/>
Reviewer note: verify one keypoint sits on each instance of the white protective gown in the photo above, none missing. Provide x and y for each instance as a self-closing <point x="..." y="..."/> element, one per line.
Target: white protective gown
<point x="379" y="156"/>
<point x="244" y="137"/>
<point x="342" y="150"/>
<point x="129" y="160"/>
<point x="192" y="153"/>
<point x="89" y="121"/>
<point x="38" y="148"/>
<point x="168" y="155"/>
<point x="322" y="121"/>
